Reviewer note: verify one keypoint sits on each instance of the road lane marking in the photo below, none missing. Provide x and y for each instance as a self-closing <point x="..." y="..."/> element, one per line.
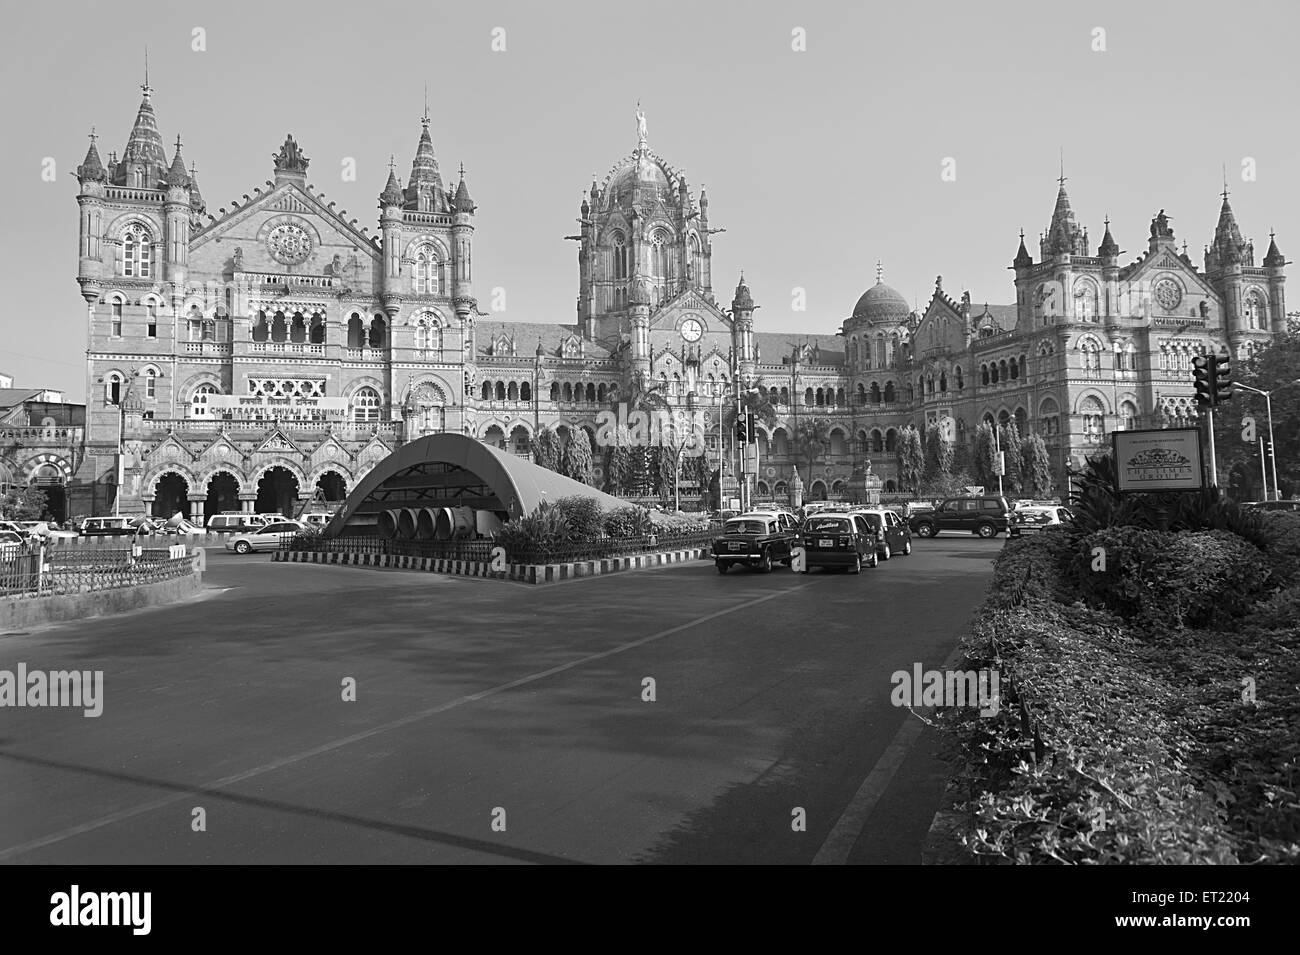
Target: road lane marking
<point x="124" y="814"/>
<point x="849" y="827"/>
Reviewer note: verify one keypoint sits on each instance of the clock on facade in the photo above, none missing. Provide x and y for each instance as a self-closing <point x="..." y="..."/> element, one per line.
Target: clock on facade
<point x="1168" y="294"/>
<point x="692" y="330"/>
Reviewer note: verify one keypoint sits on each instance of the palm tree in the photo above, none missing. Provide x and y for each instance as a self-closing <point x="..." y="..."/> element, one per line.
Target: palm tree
<point x="811" y="438"/>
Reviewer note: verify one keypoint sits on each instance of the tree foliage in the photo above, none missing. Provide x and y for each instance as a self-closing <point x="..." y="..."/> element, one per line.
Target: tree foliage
<point x="1009" y="438"/>
<point x="618" y="469"/>
<point x="577" y="456"/>
<point x="811" y="438"/>
<point x="938" y="459"/>
<point x="1035" y="467"/>
<point x="23" y="503"/>
<point x="1273" y="368"/>
<point x="984" y="456"/>
<point x="546" y="448"/>
<point x="911" y="458"/>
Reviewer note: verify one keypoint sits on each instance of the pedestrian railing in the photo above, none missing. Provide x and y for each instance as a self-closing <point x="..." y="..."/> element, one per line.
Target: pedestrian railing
<point x="65" y="570"/>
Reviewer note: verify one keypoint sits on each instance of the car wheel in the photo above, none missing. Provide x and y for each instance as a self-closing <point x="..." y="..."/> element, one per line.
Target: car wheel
<point x="765" y="565"/>
<point x="986" y="531"/>
<point x="722" y="566"/>
<point x="886" y="553"/>
<point x="242" y="547"/>
<point x="907" y="548"/>
<point x="926" y="530"/>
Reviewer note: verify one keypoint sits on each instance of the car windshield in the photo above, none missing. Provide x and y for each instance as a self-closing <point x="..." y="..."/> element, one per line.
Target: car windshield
<point x="9" y="537"/>
<point x="746" y="527"/>
<point x="827" y="525"/>
<point x="875" y="520"/>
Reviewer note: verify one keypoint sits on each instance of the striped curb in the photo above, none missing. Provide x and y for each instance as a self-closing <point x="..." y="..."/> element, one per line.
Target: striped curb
<point x="521" y="573"/>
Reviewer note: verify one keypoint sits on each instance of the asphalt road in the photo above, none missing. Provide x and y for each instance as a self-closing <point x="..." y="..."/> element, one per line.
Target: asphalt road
<point x="478" y="701"/>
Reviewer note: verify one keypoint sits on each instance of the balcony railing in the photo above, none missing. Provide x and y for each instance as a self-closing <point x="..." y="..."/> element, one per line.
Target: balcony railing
<point x="283" y="348"/>
<point x="215" y="349"/>
<point x="367" y="354"/>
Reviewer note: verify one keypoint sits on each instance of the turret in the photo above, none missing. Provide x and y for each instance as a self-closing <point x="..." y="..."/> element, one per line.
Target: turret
<point x="742" y="330"/>
<point x="1110" y="252"/>
<point x="92" y="176"/>
<point x="1223" y="264"/>
<point x="462" y="237"/>
<point x="176" y="225"/>
<point x="1275" y="263"/>
<point x="639" y="302"/>
<point x="390" y="231"/>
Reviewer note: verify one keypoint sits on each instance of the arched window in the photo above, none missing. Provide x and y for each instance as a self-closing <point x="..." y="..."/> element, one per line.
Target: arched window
<point x="113" y="389"/>
<point x="137" y="251"/>
<point x="298" y="329"/>
<point x="1091" y="349"/>
<point x="839" y="398"/>
<point x="943" y="382"/>
<point x="697" y="261"/>
<point x="602" y="394"/>
<point x="591" y="392"/>
<point x="512" y="391"/>
<point x="150" y="382"/>
<point x="1254" y="310"/>
<point x="877" y="441"/>
<point x="891" y="440"/>
<point x="984" y="374"/>
<point x="957" y="373"/>
<point x="428" y="333"/>
<point x="199" y="407"/>
<point x="892" y="354"/>
<point x="820" y="398"/>
<point x="808" y="399"/>
<point x="1014" y="370"/>
<point x="785" y="396"/>
<point x="365" y="406"/>
<point x="151" y="318"/>
<point x="317" y="328"/>
<point x="1094" y="419"/>
<point x="426" y="275"/>
<point x="1049" y="417"/>
<point x="356" y="332"/>
<point x="876" y="396"/>
<point x="619" y="256"/>
<point x="1127" y="416"/>
<point x="487" y="390"/>
<point x="117" y="318"/>
<point x="1085" y="300"/>
<point x="501" y="391"/>
<point x="279" y="328"/>
<point x="890" y="395"/>
<point x="555" y="391"/>
<point x="378" y="329"/>
<point x="993" y="372"/>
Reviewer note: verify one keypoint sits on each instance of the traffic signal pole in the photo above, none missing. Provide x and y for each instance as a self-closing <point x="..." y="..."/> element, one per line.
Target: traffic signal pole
<point x="1214" y="470"/>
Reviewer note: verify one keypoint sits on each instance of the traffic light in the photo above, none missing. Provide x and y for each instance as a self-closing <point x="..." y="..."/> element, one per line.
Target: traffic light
<point x="742" y="434"/>
<point x="1222" y="379"/>
<point x="750" y="430"/>
<point x="1203" y="374"/>
<point x="1268" y="449"/>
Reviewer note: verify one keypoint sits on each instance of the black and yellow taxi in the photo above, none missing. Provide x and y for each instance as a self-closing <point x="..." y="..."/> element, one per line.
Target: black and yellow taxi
<point x="835" y="539"/>
<point x="758" y="540"/>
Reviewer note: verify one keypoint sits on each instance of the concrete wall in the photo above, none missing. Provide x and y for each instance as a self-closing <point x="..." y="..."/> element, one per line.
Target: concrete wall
<point x="20" y="613"/>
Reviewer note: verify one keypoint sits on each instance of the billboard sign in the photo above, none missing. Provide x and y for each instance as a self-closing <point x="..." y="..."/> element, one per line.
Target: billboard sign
<point x="1161" y="459"/>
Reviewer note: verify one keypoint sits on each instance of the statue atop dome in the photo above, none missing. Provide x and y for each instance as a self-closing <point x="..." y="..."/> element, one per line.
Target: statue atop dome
<point x="641" y="139"/>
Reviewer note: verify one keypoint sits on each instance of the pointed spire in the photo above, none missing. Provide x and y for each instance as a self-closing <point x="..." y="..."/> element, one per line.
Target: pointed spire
<point x="392" y="194"/>
<point x="1064" y="237"/>
<point x="1023" y="259"/>
<point x="91" y="168"/>
<point x="145" y="87"/>
<point x="742" y="298"/>
<point x="1109" y="247"/>
<point x="1274" y="258"/>
<point x="463" y="201"/>
<point x="176" y="175"/>
<point x="144" y="146"/>
<point x="424" y="190"/>
<point x="196" y="197"/>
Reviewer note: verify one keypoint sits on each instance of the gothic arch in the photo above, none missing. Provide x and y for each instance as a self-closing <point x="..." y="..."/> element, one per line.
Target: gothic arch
<point x="323" y="468"/>
<point x="423" y="242"/>
<point x="186" y="394"/>
<point x="1093" y="393"/>
<point x="151" y="477"/>
<point x="127" y="219"/>
<point x="223" y="468"/>
<point x="259" y="471"/>
<point x="37" y="461"/>
<point x="364" y="381"/>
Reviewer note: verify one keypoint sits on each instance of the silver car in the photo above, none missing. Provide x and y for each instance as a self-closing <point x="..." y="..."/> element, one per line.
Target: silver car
<point x="266" y="537"/>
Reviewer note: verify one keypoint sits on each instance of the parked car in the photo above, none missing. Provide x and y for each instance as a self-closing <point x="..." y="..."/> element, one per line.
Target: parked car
<point x="267" y="537"/>
<point x="839" y="540"/>
<point x="755" y="540"/>
<point x="317" y="519"/>
<point x="110" y="526"/>
<point x="1273" y="505"/>
<point x="895" y="535"/>
<point x="1032" y="518"/>
<point x="984" y="515"/>
<point x="12" y="527"/>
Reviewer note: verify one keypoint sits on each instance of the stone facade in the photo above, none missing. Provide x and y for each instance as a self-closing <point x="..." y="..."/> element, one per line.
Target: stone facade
<point x="243" y="359"/>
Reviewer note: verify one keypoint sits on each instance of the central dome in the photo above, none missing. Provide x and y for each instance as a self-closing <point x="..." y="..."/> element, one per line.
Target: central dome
<point x="880" y="303"/>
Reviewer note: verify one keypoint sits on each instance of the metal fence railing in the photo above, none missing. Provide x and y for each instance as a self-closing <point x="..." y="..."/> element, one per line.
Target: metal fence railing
<point x="65" y="570"/>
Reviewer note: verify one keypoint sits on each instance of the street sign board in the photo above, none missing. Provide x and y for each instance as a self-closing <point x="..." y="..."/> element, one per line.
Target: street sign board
<point x="1159" y="459"/>
<point x="1000" y="465"/>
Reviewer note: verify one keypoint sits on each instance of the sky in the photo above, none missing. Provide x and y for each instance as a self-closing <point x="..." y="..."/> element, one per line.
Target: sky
<point x="818" y="161"/>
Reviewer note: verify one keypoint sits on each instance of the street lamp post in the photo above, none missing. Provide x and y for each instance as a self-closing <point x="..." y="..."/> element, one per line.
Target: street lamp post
<point x="1268" y="407"/>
